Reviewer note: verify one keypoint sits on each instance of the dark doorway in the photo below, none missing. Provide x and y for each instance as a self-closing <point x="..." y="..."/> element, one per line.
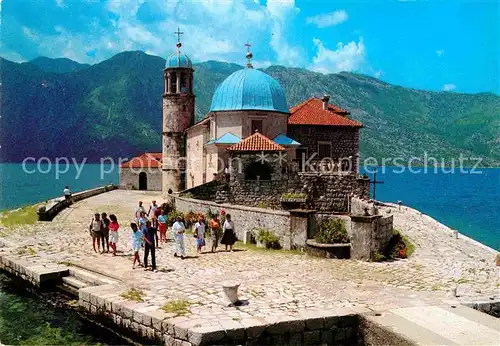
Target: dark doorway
<point x="143" y="181"/>
<point x="258" y="171"/>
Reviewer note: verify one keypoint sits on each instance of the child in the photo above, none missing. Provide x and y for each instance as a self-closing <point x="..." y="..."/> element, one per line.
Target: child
<point x="96" y="231"/>
<point x="162" y="226"/>
<point x="199" y="233"/>
<point x="136" y="243"/>
<point x="113" y="232"/>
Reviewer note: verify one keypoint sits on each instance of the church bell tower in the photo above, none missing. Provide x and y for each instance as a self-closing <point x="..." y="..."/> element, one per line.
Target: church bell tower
<point x="178" y="115"/>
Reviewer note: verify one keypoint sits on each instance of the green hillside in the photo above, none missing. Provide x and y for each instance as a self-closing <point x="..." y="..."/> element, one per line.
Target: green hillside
<point x="114" y="109"/>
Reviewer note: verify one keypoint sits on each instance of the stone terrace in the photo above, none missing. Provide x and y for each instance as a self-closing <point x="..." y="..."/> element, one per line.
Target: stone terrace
<point x="278" y="285"/>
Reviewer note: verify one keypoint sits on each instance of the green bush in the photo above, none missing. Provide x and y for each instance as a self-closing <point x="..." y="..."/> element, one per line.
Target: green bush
<point x="268" y="238"/>
<point x="332" y="231"/>
<point x="167" y="208"/>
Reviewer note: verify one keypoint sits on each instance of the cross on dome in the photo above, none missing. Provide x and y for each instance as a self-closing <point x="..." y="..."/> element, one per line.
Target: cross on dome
<point x="249" y="55"/>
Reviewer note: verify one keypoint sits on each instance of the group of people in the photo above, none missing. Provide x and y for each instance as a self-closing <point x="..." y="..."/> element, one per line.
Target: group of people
<point x="104" y="230"/>
<point x="149" y="230"/>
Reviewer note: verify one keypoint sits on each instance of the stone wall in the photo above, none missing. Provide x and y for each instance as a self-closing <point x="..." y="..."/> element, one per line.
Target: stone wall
<point x="129" y="178"/>
<point x="363" y="207"/>
<point x="345" y="140"/>
<point x="54" y="206"/>
<point x="159" y="327"/>
<point x="367" y="233"/>
<point x="325" y="192"/>
<point x="35" y="274"/>
<point x="206" y="192"/>
<point x="246" y="219"/>
<point x="331" y="192"/>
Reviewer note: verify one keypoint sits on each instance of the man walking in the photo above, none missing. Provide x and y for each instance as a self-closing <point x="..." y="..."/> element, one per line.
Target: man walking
<point x="149" y="235"/>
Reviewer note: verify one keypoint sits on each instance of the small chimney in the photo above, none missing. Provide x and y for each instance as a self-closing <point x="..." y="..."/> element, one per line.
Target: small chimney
<point x="325" y="100"/>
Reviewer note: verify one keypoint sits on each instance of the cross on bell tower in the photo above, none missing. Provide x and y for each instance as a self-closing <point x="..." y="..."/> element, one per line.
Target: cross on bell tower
<point x="249" y="55"/>
<point x="179" y="33"/>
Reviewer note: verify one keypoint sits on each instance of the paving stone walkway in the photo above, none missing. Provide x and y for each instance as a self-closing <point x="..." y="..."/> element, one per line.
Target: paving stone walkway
<point x="275" y="283"/>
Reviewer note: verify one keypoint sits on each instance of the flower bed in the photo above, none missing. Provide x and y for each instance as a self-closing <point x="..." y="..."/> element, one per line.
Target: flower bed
<point x="340" y="251"/>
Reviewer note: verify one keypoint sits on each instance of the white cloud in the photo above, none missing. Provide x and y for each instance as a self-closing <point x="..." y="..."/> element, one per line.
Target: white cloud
<point x="328" y="19"/>
<point x="449" y="87"/>
<point x="60" y="3"/>
<point x="348" y="57"/>
<point x="440" y="52"/>
<point x="378" y="73"/>
<point x="31" y="34"/>
<point x="282" y="14"/>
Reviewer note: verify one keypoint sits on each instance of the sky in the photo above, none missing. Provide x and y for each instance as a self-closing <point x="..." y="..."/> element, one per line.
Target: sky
<point x="433" y="45"/>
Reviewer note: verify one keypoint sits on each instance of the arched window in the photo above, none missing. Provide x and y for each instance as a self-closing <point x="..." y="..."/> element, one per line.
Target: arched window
<point x="258" y="171"/>
<point x="173" y="82"/>
<point x="183" y="83"/>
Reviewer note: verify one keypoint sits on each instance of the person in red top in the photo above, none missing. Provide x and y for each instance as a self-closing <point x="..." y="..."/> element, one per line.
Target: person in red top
<point x="113" y="232"/>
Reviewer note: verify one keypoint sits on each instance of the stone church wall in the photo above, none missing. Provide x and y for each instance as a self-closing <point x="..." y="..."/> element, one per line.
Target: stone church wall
<point x="129" y="178"/>
<point x="330" y="192"/>
<point x="345" y="140"/>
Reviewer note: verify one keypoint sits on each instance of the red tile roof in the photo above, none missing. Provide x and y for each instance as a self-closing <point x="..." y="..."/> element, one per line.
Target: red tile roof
<point x="146" y="160"/>
<point x="311" y="112"/>
<point x="256" y="142"/>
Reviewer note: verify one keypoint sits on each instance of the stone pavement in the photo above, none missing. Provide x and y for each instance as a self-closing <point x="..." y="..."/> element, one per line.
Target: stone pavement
<point x="275" y="283"/>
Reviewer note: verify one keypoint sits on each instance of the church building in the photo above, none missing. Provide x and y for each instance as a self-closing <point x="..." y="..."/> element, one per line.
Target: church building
<point x="250" y="134"/>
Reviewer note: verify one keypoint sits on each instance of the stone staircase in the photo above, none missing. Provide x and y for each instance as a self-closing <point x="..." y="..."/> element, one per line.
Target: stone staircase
<point x="80" y="277"/>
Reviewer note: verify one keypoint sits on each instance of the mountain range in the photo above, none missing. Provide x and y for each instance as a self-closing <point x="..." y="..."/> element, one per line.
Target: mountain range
<point x="58" y="107"/>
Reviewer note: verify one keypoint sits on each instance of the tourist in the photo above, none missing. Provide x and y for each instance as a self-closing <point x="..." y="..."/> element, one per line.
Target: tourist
<point x="199" y="233"/>
<point x="67" y="194"/>
<point x="140" y="209"/>
<point x="95" y="231"/>
<point x="229" y="237"/>
<point x="162" y="226"/>
<point x="178" y="230"/>
<point x="152" y="208"/>
<point x="157" y="212"/>
<point x="214" y="232"/>
<point x="136" y="243"/>
<point x="149" y="238"/>
<point x="105" y="231"/>
<point x="113" y="232"/>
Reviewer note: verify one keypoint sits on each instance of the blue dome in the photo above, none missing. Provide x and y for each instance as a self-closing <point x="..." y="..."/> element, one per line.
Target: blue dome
<point x="249" y="89"/>
<point x="178" y="59"/>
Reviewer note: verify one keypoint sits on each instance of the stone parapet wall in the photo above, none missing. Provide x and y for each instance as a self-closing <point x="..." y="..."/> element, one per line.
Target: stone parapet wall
<point x="54" y="206"/>
<point x="151" y="323"/>
<point x="36" y="275"/>
<point x="383" y="233"/>
<point x="246" y="219"/>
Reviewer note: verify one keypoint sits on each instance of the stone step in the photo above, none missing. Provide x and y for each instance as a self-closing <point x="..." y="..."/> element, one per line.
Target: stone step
<point x="431" y="325"/>
<point x="72" y="281"/>
<point x="92" y="279"/>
